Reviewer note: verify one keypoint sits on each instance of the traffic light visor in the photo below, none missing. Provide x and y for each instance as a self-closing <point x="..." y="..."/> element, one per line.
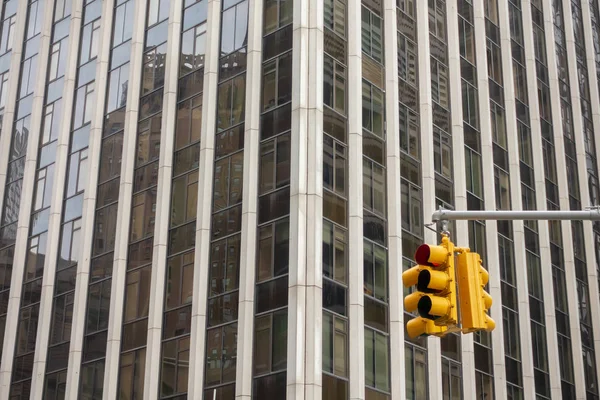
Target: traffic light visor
<point x="433" y="307"/>
<point x="431" y="281"/>
<point x="432" y="256"/>
<point x="410" y="277"/>
<point x="411" y="302"/>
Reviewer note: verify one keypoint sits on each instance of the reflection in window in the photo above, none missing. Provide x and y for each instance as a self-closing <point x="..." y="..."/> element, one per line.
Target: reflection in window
<point x="377" y="360"/>
<point x="372" y="108"/>
<point x="277" y="81"/>
<point x="234" y="28"/>
<point x="231" y="102"/>
<point x="278" y="13"/>
<point x="372" y="35"/>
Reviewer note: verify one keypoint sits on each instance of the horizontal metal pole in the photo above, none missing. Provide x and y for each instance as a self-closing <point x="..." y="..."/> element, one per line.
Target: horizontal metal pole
<point x="450" y="215"/>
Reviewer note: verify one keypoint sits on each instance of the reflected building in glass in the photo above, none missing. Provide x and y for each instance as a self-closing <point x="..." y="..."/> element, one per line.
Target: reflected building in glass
<point x="216" y="199"/>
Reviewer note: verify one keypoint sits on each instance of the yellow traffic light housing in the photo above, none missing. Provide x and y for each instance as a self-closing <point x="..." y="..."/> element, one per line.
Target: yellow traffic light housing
<point x="435" y="298"/>
<point x="474" y="300"/>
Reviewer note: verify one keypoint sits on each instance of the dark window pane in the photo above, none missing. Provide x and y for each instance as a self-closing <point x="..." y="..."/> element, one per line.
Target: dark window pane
<point x="177" y="322"/>
<point x="272" y="294"/>
<point x="223" y="309"/>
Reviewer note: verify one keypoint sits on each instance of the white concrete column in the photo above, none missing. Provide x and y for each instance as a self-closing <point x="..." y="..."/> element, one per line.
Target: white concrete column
<point x="305" y="312"/>
<point x="204" y="206"/>
<point x="125" y="187"/>
<point x="563" y="191"/>
<point x="245" y="338"/>
<point x="58" y="190"/>
<point x="21" y="246"/>
<point x="587" y="225"/>
<point x="10" y="109"/>
<point x="393" y="162"/>
<point x="588" y="235"/>
<point x="489" y="196"/>
<point x="460" y="203"/>
<point x="355" y="206"/>
<point x="543" y="229"/>
<point x="512" y="144"/>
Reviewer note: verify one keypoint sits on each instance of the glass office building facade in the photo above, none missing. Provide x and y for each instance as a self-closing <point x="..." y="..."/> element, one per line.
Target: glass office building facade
<point x="216" y="199"/>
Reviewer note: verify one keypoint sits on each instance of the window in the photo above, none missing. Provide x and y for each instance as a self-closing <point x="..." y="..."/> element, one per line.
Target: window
<point x="373" y="187"/>
<point x="442" y="152"/>
<point x="231" y="102"/>
<point x="498" y="124"/>
<point x="451" y="379"/>
<point x="439" y="83"/>
<point x="8" y="31"/>
<point x="502" y="189"/>
<point x="411" y="208"/>
<point x="153" y="70"/>
<point x="334" y="165"/>
<point x="234" y="28"/>
<point x="334" y="252"/>
<point x="470" y="106"/>
<point x="184" y="199"/>
<point x="474" y="175"/>
<point x="89" y="42"/>
<point x="98" y="306"/>
<point x="494" y="58"/>
<point x="377" y="360"/>
<point x="270" y="343"/>
<point x="407" y="60"/>
<point x="407" y="6"/>
<point x="43" y="188"/>
<point x="334" y="84"/>
<point x="58" y="58"/>
<point x="28" y="72"/>
<point x="34" y="22"/>
<point x="520" y="82"/>
<point x="415" y="361"/>
<point x="221" y="355"/>
<point x="131" y="374"/>
<point x="77" y="177"/>
<point x="375" y="271"/>
<point x="175" y="365"/>
<point x="158" y="10"/>
<point x="179" y="280"/>
<point x="193" y="49"/>
<point x="3" y="89"/>
<point x="278" y="13"/>
<point x="84" y="104"/>
<point x="335" y="345"/>
<point x="372" y="35"/>
<point x="277" y="82"/>
<point x="274" y="164"/>
<point x="525" y="154"/>
<point x="372" y="109"/>
<point x="117" y="88"/>
<point x="137" y="294"/>
<point x="335" y="16"/>
<point x="228" y="176"/>
<point x="123" y="28"/>
<point x="467" y="40"/>
<point x="491" y="10"/>
<point x="437" y="19"/>
<point x="273" y="250"/>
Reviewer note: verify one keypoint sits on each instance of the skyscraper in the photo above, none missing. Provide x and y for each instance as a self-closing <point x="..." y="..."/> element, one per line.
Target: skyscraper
<point x="216" y="199"/>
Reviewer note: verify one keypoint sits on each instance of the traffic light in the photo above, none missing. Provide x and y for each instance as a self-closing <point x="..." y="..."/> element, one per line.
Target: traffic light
<point x="435" y="298"/>
<point x="474" y="300"/>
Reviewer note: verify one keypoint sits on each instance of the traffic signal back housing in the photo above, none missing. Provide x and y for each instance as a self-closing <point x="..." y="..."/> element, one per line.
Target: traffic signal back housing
<point x="473" y="299"/>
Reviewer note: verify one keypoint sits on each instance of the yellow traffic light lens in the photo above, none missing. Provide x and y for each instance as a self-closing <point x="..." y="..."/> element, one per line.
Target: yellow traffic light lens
<point x="432" y="256"/>
<point x="433" y="281"/>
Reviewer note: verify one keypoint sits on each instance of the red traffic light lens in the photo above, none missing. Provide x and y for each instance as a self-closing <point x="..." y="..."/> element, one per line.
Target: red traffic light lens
<point x="422" y="254"/>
